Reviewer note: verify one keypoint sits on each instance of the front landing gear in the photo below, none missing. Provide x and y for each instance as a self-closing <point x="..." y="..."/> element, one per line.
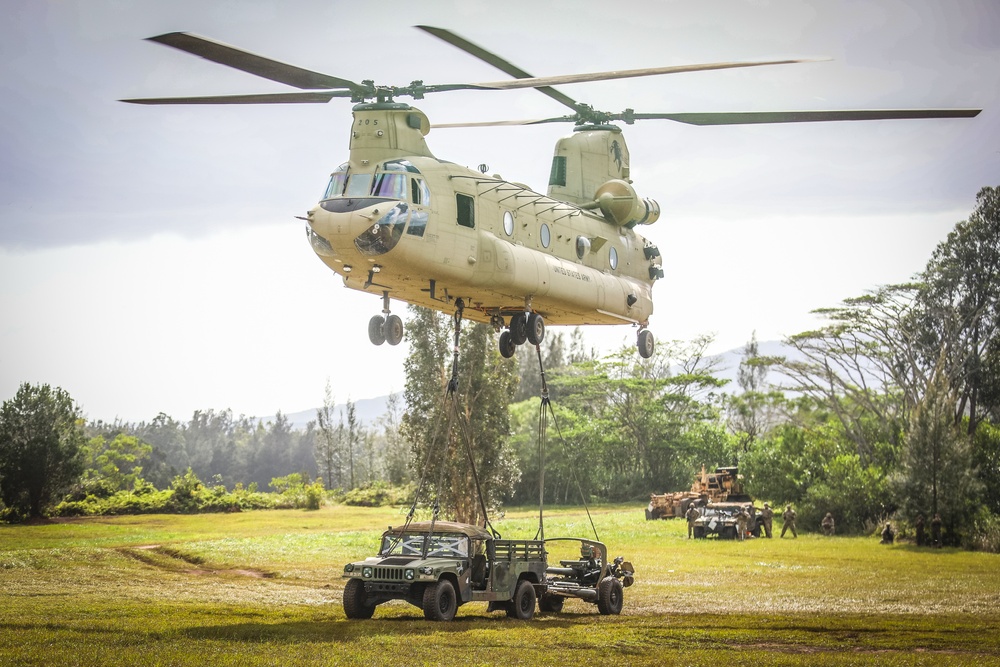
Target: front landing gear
<point x="385" y="328"/>
<point x="645" y="343"/>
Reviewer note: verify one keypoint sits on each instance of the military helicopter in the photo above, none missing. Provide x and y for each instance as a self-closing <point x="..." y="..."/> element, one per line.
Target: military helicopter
<point x="398" y="222"/>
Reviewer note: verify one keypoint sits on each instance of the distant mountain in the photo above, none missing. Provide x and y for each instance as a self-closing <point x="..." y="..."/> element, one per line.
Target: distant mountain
<point x="368" y="410"/>
<point x="730" y="362"/>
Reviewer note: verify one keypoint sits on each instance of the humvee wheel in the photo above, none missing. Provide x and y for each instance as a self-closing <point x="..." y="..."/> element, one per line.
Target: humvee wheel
<point x="522" y="607"/>
<point x="356" y="601"/>
<point x="551" y="603"/>
<point x="609" y="596"/>
<point x="439" y="601"/>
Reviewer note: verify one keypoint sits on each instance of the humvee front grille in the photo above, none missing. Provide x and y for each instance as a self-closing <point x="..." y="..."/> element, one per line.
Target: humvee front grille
<point x="388" y="573"/>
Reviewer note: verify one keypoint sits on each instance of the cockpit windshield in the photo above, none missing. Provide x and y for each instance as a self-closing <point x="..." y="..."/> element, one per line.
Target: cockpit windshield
<point x="395" y="179"/>
<point x="412" y="544"/>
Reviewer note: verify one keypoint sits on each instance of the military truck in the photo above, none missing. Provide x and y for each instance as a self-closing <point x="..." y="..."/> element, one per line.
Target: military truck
<point x="723" y="485"/>
<point x="441" y="565"/>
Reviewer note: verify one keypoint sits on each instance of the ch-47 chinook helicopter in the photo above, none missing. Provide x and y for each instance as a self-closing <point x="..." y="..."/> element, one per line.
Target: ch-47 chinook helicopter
<point x="398" y="222"/>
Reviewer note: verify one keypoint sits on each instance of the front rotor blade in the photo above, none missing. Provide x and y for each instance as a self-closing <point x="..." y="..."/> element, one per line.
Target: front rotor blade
<point x="251" y="63"/>
<point x="495" y="60"/>
<point x="268" y="98"/>
<point x="756" y="117"/>
<point x="632" y="73"/>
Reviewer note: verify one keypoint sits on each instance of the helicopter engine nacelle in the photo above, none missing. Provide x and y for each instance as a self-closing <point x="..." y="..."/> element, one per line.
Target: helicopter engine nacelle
<point x="621" y="205"/>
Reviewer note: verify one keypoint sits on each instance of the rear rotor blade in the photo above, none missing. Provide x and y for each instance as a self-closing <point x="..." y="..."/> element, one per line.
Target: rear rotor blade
<point x="251" y="63"/>
<point x="755" y="117"/>
<point x="268" y="98"/>
<point x="632" y="73"/>
<point x="495" y="60"/>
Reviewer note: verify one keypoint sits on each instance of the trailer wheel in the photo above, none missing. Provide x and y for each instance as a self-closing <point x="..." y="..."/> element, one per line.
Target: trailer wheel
<point x="551" y="603"/>
<point x="609" y="596"/>
<point x="356" y="601"/>
<point x="522" y="607"/>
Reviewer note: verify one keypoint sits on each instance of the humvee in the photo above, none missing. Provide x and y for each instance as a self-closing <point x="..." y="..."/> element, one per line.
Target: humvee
<point x="720" y="519"/>
<point x="441" y="565"/>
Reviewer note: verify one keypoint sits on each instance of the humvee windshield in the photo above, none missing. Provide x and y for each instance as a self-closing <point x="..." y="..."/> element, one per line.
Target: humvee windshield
<point x="412" y="544"/>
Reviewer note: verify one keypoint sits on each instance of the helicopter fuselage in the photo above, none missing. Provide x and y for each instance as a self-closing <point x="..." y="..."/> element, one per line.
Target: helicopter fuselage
<point x="399" y="223"/>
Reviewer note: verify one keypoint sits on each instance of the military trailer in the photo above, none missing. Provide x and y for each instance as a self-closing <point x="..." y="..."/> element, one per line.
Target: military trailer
<point x="585" y="574"/>
<point x="442" y="565"/>
<point x="723" y="485"/>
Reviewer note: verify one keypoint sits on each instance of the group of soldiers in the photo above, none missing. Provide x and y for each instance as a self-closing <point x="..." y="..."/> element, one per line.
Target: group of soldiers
<point x="744" y="517"/>
<point x="828" y="524"/>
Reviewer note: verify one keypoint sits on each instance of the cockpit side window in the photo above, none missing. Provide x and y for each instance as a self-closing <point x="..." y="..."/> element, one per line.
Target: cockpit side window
<point x="420" y="194"/>
<point x="389" y="184"/>
<point x="466" y="210"/>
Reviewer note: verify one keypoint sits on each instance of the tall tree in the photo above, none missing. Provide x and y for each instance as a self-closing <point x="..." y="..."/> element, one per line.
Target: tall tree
<point x="328" y="441"/>
<point x="936" y="476"/>
<point x="41" y="441"/>
<point x="960" y="298"/>
<point x="443" y="431"/>
<point x="751" y="412"/>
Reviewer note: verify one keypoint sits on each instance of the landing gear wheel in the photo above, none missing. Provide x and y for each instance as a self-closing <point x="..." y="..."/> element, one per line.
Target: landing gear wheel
<point x="551" y="603"/>
<point x="645" y="343"/>
<point x="376" y="330"/>
<point x="518" y="332"/>
<point x="507" y="346"/>
<point x="522" y="607"/>
<point x="393" y="329"/>
<point x="609" y="596"/>
<point x="439" y="601"/>
<point x="535" y="329"/>
<point x="356" y="600"/>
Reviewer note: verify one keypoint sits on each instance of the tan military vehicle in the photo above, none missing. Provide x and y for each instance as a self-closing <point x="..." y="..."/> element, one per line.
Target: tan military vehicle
<point x="723" y="485"/>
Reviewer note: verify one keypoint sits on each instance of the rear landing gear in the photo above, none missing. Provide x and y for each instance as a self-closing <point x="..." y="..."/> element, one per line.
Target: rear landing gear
<point x="524" y="328"/>
<point x="645" y="343"/>
<point x="385" y="328"/>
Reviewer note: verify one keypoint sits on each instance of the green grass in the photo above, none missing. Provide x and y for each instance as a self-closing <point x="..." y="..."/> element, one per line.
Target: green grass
<point x="263" y="588"/>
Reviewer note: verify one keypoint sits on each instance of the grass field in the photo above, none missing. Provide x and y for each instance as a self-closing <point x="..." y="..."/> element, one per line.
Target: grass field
<point x="264" y="588"/>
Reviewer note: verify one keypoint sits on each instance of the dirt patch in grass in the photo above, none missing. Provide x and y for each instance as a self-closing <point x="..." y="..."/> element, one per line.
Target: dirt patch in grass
<point x="175" y="560"/>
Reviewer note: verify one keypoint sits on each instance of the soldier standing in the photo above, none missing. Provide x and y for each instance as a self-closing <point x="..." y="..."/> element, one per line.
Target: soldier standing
<point x="936" y="531"/>
<point x="742" y="519"/>
<point x="691" y="515"/>
<point x="789" y="516"/>
<point x="766" y="517"/>
<point x="827" y="524"/>
<point x="919" y="525"/>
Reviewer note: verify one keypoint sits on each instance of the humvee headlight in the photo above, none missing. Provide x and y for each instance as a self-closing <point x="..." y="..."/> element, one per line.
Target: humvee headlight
<point x="367" y="572"/>
<point x="409" y="574"/>
<point x="349" y="567"/>
<point x="426" y="569"/>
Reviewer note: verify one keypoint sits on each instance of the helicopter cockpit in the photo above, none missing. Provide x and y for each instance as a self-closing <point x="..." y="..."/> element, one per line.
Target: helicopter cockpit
<point x="393" y="180"/>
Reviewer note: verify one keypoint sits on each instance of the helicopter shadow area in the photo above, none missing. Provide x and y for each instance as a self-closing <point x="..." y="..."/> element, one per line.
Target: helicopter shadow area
<point x="344" y="630"/>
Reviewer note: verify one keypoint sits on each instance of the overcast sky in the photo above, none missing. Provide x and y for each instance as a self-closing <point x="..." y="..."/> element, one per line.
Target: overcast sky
<point x="150" y="260"/>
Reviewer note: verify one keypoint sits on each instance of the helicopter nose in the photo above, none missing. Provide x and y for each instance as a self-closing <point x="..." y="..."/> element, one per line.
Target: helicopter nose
<point x="340" y="221"/>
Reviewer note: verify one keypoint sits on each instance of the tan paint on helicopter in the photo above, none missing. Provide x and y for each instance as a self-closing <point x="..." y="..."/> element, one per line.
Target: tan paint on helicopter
<point x="492" y="271"/>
